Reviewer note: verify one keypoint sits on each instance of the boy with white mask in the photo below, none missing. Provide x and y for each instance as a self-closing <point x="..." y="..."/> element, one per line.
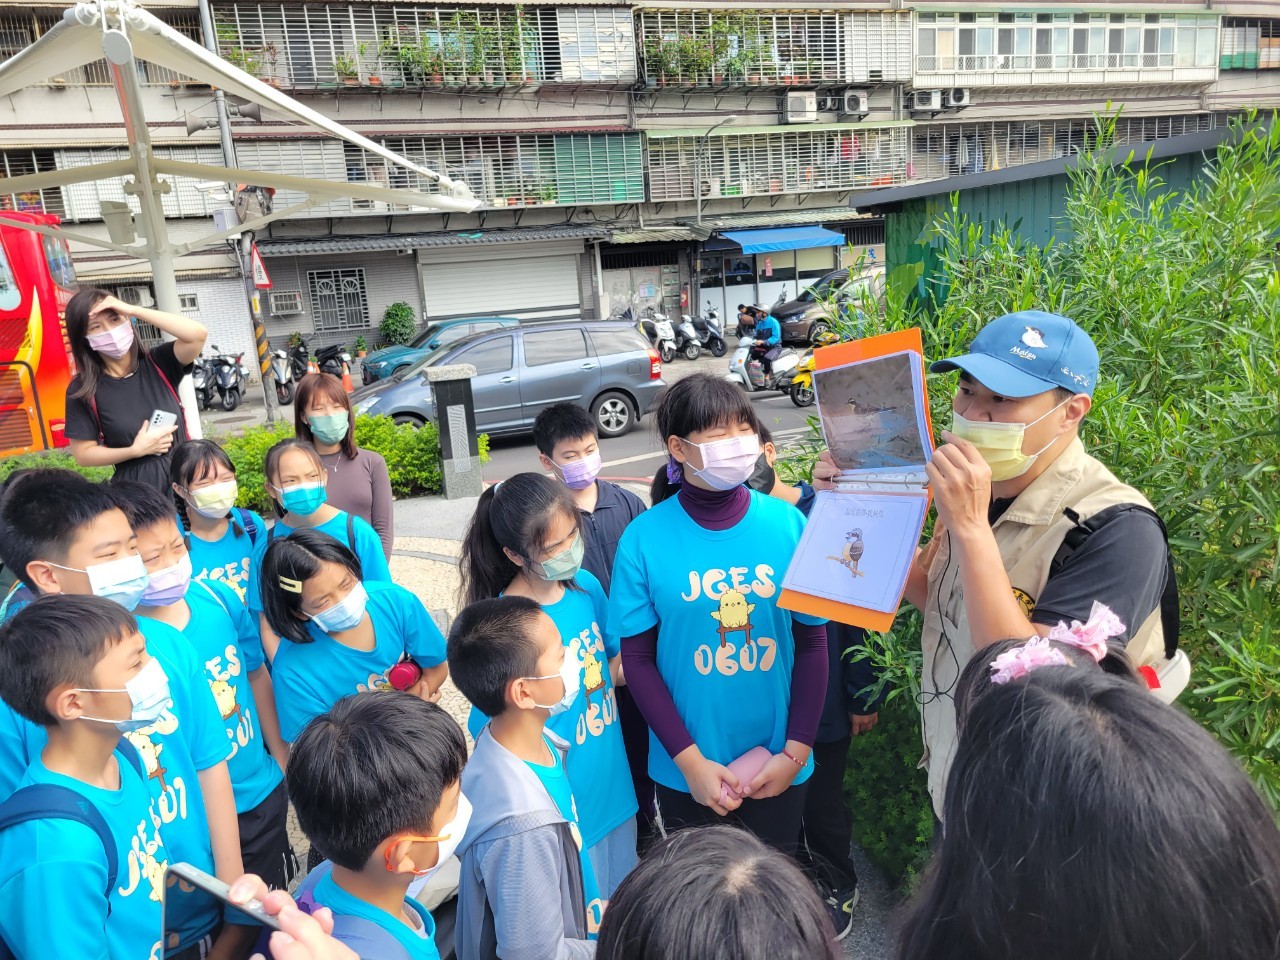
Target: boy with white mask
<point x="1031" y="529"/>
<point x="376" y="783"/>
<point x="528" y="888"/>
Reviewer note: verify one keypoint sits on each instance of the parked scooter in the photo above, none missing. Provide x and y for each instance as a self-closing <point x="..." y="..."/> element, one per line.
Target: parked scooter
<point x="748" y="371"/>
<point x="332" y="359"/>
<point x="801" y="387"/>
<point x="282" y="370"/>
<point x="299" y="354"/>
<point x="687" y="342"/>
<point x="661" y="335"/>
<point x="204" y="380"/>
<point x="228" y="378"/>
<point x="710" y="332"/>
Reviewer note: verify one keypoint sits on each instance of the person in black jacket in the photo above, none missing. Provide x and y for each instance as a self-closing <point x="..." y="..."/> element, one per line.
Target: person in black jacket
<point x="827" y="829"/>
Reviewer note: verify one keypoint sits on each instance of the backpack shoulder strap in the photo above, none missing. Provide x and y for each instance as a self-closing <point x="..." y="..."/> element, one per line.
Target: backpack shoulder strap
<point x="50" y="801"/>
<point x="213" y="593"/>
<point x="1170" y="615"/>
<point x="250" y="525"/>
<point x="369" y="940"/>
<point x="351" y="532"/>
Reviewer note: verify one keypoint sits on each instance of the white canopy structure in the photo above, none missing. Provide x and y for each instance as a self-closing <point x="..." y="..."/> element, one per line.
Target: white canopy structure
<point x="123" y="32"/>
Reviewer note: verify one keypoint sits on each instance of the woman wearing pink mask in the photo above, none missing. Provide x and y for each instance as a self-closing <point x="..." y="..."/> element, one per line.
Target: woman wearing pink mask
<point x="119" y="385"/>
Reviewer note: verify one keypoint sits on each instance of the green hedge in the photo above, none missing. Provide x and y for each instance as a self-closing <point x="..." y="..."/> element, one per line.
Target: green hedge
<point x="412" y="455"/>
<point x="1181" y="292"/>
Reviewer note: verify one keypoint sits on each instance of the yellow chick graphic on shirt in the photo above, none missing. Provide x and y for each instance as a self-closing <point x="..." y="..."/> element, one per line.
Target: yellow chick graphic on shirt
<point x="592" y="673"/>
<point x="734" y="615"/>
<point x="225" y="696"/>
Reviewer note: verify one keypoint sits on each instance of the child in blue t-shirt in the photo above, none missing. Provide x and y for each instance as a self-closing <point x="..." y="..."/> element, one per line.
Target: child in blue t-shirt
<point x="339" y="635"/>
<point x="221" y="537"/>
<point x="222" y="635"/>
<point x="525" y="541"/>
<point x="78" y="668"/>
<point x="717" y="667"/>
<point x="67" y="536"/>
<point x="527" y="886"/>
<point x="376" y="783"/>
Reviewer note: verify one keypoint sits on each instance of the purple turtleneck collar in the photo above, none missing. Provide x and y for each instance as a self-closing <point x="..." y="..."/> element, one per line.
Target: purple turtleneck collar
<point x="714" y="509"/>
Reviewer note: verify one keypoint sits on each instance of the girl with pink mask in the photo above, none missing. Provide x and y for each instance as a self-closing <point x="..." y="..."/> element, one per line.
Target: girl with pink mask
<point x="119" y="384"/>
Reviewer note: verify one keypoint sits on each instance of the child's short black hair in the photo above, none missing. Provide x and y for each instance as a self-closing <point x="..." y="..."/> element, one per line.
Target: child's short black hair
<point x="144" y="506"/>
<point x="562" y="421"/>
<point x="491" y="644"/>
<point x="56" y="640"/>
<point x="374" y="766"/>
<point x="42" y="512"/>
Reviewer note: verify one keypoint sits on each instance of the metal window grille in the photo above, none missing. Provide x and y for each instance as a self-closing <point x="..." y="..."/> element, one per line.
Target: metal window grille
<point x="1250" y="44"/>
<point x="188" y="301"/>
<point x="17" y="163"/>
<point x="399" y="46"/>
<point x="706" y="48"/>
<point x="954" y="149"/>
<point x="18" y="29"/>
<point x="995" y="48"/>
<point x="338" y="299"/>
<point x="790" y="161"/>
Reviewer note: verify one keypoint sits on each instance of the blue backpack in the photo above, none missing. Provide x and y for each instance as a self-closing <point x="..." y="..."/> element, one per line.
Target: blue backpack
<point x="50" y="801"/>
<point x="365" y="937"/>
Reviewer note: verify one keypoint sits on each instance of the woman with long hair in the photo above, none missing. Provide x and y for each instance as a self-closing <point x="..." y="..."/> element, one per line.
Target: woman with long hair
<point x="358" y="480"/>
<point x="119" y="385"/>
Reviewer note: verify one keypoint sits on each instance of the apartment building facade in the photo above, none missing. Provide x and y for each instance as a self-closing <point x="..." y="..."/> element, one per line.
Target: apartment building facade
<point x="626" y="153"/>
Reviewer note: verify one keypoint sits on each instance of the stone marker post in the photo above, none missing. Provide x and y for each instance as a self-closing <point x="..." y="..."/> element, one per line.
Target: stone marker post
<point x="456" y="418"/>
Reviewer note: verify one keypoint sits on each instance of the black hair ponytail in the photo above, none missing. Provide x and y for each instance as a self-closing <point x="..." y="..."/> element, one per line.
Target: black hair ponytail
<point x="515" y="514"/>
<point x="663" y="487"/>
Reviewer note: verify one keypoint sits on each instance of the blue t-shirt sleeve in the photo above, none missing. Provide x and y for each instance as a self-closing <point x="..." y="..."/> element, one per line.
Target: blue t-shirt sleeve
<point x="422" y="638"/>
<point x="476" y="719"/>
<point x="631" y="609"/>
<point x="246" y="624"/>
<point x="13" y="750"/>
<point x="201" y="727"/>
<point x="296" y="704"/>
<point x="253" y="595"/>
<point x="47" y="890"/>
<point x="368" y="547"/>
<point x="790" y="525"/>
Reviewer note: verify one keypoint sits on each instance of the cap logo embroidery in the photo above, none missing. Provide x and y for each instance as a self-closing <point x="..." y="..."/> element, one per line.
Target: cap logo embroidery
<point x="1034" y="338"/>
<point x="1022" y="352"/>
<point x="1077" y="377"/>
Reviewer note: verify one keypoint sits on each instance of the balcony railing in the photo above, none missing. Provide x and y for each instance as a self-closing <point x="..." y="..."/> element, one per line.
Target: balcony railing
<point x="760" y="163"/>
<point x="19" y="30"/>
<point x="699" y="48"/>
<point x="1250" y="44"/>
<point x="517" y="170"/>
<point x="1009" y="49"/>
<point x="316" y="45"/>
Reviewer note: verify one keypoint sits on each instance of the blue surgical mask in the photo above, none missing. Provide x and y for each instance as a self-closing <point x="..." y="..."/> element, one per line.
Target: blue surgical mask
<point x="302" y="499"/>
<point x="344" y="614"/>
<point x="148" y="693"/>
<point x="329" y="427"/>
<point x="124" y="580"/>
<point x="563" y="566"/>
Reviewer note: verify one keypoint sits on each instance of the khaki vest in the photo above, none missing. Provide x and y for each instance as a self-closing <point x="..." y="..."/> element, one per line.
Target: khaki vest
<point x="1028" y="534"/>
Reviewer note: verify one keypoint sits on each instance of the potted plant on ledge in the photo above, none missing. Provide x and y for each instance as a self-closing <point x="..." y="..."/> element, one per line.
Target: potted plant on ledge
<point x="347" y="69"/>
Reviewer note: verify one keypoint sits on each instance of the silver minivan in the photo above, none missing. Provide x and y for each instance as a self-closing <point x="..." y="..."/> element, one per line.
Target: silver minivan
<point x="603" y="366"/>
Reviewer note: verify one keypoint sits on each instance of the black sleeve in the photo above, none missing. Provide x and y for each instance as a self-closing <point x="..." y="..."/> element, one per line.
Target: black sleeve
<point x="168" y="363"/>
<point x="1123" y="565"/>
<point x="80" y="424"/>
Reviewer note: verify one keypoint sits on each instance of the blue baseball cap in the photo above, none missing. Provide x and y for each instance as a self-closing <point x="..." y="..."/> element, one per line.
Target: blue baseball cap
<point x="1029" y="352"/>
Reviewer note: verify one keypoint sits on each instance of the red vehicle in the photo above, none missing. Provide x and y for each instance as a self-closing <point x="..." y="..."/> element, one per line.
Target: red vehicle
<point x="37" y="278"/>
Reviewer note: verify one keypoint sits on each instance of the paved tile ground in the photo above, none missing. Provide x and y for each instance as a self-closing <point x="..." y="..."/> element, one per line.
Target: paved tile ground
<point x="425" y="561"/>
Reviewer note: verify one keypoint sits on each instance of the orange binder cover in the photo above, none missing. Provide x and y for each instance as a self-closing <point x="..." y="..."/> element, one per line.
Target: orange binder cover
<point x="827" y="358"/>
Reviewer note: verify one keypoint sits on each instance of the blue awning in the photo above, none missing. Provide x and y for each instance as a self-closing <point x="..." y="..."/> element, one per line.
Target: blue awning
<point x="788" y="238"/>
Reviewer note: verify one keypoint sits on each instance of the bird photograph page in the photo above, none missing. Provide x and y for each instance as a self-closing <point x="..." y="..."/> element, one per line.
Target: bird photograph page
<point x="858" y="545"/>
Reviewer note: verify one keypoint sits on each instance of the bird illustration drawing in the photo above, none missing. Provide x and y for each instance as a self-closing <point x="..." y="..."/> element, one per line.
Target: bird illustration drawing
<point x="851" y="553"/>
<point x="734" y="615"/>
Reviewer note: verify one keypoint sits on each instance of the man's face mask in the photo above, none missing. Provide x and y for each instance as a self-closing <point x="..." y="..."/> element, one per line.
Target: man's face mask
<point x="1000" y="444"/>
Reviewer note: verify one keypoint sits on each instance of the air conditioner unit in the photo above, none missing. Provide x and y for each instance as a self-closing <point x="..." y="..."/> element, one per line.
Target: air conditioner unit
<point x="855" y="103"/>
<point x="800" y="107"/>
<point x="925" y="101"/>
<point x="956" y="98"/>
<point x="137" y="296"/>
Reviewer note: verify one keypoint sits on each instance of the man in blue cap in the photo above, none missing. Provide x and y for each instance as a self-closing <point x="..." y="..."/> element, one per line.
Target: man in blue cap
<point x="1031" y="529"/>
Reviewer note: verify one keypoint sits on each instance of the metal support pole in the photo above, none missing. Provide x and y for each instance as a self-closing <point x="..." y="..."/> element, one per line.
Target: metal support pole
<point x="209" y="36"/>
<point x="697" y="162"/>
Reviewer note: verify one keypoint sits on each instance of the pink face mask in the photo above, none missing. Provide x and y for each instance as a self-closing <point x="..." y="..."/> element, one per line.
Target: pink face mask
<point x="580" y="474"/>
<point x="115" y="342"/>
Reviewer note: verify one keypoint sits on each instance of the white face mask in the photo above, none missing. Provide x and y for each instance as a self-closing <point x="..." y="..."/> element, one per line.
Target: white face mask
<point x="148" y="691"/>
<point x="1000" y="444"/>
<point x="124" y="580"/>
<point x="572" y="683"/>
<point x="726" y="463"/>
<point x="454" y="831"/>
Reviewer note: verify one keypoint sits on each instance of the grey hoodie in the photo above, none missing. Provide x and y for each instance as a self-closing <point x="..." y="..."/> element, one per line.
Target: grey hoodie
<point x="520" y="893"/>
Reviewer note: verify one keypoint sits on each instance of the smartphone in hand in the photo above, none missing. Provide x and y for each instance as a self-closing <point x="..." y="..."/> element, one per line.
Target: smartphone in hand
<point x="160" y="419"/>
<point x="216" y="888"/>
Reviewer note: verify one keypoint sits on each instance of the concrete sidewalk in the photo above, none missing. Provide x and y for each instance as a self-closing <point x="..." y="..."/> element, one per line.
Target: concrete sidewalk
<point x="429" y="533"/>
